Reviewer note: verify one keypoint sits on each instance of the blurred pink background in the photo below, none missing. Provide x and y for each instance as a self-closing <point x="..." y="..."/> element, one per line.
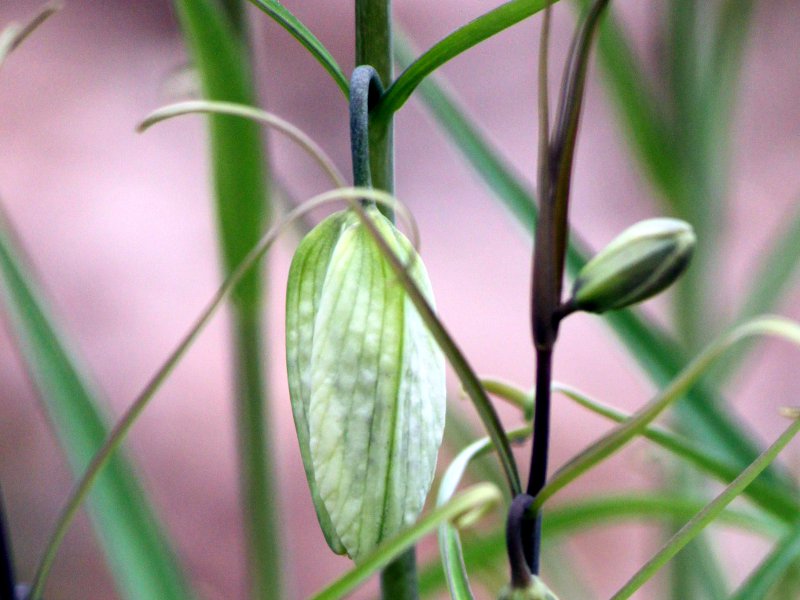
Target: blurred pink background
<point x="120" y="230"/>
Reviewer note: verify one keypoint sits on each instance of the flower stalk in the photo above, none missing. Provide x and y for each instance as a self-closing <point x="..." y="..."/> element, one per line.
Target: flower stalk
<point x="556" y="154"/>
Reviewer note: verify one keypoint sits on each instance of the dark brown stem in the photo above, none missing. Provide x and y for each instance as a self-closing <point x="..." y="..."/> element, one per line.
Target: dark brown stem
<point x="541" y="422"/>
<point x="518" y="536"/>
<point x="556" y="155"/>
<point x="6" y="562"/>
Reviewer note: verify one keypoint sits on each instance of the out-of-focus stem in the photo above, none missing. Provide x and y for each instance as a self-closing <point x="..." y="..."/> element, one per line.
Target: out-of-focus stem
<point x="257" y="487"/>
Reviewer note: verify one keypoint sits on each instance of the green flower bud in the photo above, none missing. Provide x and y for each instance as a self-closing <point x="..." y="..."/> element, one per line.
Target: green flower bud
<point x="366" y="380"/>
<point x="642" y="261"/>
<point x="537" y="590"/>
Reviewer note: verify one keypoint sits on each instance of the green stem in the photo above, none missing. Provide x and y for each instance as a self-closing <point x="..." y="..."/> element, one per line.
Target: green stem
<point x="257" y="489"/>
<point x="399" y="578"/>
<point x="374" y="48"/>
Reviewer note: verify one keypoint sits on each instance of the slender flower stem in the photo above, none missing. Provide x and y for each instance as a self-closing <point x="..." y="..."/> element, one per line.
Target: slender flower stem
<point x="517" y="541"/>
<point x="541" y="422"/>
<point x="365" y="90"/>
<point x="374" y="48"/>
<point x="556" y="155"/>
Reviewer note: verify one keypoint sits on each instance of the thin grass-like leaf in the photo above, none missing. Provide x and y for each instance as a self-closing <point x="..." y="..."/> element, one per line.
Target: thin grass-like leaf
<point x="464" y="38"/>
<point x="302" y="34"/>
<point x="613" y="441"/>
<point x="130" y="533"/>
<point x="248" y="112"/>
<point x="489" y="552"/>
<point x="770" y="571"/>
<point x="698" y="523"/>
<point x="774" y="499"/>
<point x="473" y="501"/>
<point x="645" y="123"/>
<point x="238" y="161"/>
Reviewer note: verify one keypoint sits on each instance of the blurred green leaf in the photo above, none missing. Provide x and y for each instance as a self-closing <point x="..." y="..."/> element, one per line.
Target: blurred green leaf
<point x="238" y="160"/>
<point x="637" y="106"/>
<point x="771" y="569"/>
<point x="220" y="55"/>
<point x="302" y="34"/>
<point x="700" y="521"/>
<point x="482" y="552"/>
<point x="772" y="498"/>
<point x="130" y="533"/>
<point x="608" y="444"/>
<point x="772" y="278"/>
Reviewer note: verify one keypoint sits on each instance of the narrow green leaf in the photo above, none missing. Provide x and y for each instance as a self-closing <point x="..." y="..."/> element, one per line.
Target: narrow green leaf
<point x="475" y="500"/>
<point x="698" y="523"/>
<point x="637" y="106"/>
<point x="220" y="55"/>
<point x="489" y="552"/>
<point x="464" y="38"/>
<point x="301" y="138"/>
<point x="613" y="441"/>
<point x="302" y="34"/>
<point x="771" y="569"/>
<point x="130" y="533"/>
<point x="772" y="498"/>
<point x="658" y="355"/>
<point x="238" y="161"/>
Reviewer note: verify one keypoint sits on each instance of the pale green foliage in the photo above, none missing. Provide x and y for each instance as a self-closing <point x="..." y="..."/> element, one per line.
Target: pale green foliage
<point x="366" y="381"/>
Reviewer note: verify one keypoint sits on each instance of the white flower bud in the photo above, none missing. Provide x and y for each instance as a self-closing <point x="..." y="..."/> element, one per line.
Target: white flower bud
<point x="367" y="382"/>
